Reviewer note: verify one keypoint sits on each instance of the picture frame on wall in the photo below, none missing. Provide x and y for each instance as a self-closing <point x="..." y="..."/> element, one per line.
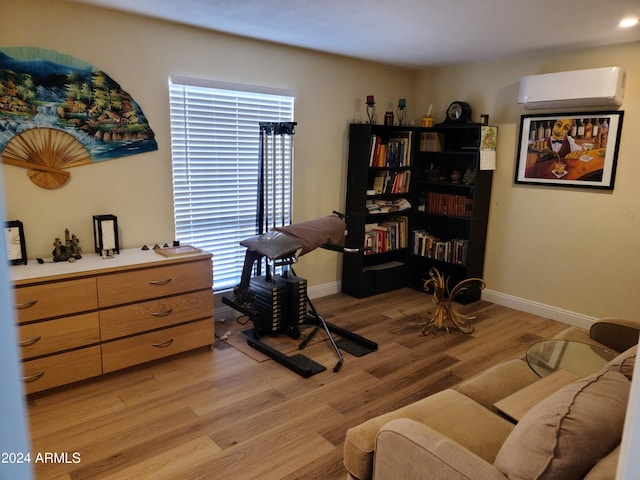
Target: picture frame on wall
<point x="569" y="149"/>
<point x="15" y="242"/>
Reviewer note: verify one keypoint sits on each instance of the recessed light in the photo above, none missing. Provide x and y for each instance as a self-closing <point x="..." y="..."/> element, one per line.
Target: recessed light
<point x="628" y="22"/>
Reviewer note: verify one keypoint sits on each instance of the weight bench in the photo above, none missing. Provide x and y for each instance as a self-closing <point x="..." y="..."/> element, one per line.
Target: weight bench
<point x="282" y="246"/>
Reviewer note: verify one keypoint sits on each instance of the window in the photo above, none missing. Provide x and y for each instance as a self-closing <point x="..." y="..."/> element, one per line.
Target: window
<point x="215" y="144"/>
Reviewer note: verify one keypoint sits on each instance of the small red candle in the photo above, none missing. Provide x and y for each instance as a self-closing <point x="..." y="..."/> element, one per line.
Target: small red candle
<point x="370" y="99"/>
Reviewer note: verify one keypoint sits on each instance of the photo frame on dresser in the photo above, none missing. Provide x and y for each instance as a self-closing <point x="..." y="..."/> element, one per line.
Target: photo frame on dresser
<point x="569" y="149"/>
<point x="15" y="242"/>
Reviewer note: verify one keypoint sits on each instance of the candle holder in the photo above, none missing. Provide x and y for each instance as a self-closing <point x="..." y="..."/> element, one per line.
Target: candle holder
<point x="402" y="111"/>
<point x="371" y="109"/>
<point x="105" y="233"/>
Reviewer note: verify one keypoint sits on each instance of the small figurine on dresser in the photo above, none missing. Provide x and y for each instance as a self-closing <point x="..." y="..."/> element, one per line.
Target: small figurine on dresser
<point x="70" y="251"/>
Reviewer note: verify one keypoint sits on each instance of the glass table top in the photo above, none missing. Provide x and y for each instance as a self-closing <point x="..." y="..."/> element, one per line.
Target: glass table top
<point x="579" y="358"/>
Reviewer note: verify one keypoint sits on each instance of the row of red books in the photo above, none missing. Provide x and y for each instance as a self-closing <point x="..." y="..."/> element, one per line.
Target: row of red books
<point x="449" y="204"/>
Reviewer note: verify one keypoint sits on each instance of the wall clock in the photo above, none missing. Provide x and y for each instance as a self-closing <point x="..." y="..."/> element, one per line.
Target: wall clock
<point x="458" y="113"/>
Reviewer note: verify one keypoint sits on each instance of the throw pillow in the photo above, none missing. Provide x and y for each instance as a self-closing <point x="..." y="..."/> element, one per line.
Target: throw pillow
<point x="566" y="434"/>
<point x="624" y="363"/>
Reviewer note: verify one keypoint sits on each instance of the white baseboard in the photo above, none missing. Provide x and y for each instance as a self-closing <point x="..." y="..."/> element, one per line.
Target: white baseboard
<point x="324" y="290"/>
<point x="547" y="311"/>
<point x="517" y="303"/>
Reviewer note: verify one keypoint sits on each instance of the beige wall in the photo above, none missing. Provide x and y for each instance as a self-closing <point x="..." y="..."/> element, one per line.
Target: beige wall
<point x="576" y="250"/>
<point x="140" y="54"/>
<point x="572" y="250"/>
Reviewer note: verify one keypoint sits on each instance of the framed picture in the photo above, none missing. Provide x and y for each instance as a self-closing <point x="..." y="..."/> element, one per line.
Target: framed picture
<point x="14" y="238"/>
<point x="569" y="149"/>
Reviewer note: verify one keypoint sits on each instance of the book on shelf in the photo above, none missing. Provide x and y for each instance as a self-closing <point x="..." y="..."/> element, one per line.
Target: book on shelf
<point x="381" y="155"/>
<point x="374" y="239"/>
<point x="373" y="149"/>
<point x="381" y="237"/>
<point x="400" y="155"/>
<point x="394" y="152"/>
<point x="431" y="141"/>
<point x="401" y="182"/>
<point x="376" y="206"/>
<point x="387" y="181"/>
<point x="379" y="182"/>
<point x="431" y="246"/>
<point x="447" y="204"/>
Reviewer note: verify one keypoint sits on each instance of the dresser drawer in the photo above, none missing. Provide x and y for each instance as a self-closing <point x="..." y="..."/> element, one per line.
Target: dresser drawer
<point x="48" y="300"/>
<point x="52" y="336"/>
<point x="56" y="370"/>
<point x="151" y="346"/>
<point x="148" y="283"/>
<point x="139" y="317"/>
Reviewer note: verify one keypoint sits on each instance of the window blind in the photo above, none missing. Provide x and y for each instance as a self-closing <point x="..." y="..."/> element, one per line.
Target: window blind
<point x="215" y="145"/>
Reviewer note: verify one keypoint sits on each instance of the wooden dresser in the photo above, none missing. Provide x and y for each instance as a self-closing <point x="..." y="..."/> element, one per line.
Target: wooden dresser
<point x="80" y="320"/>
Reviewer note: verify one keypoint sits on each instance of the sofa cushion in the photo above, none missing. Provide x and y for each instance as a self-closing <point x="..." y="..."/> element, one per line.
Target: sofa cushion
<point x="606" y="468"/>
<point x="498" y="382"/>
<point x="449" y="412"/>
<point x="410" y="450"/>
<point x="624" y="363"/>
<point x="566" y="434"/>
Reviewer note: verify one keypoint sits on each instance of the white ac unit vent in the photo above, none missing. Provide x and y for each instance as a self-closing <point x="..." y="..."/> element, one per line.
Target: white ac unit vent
<point x="596" y="87"/>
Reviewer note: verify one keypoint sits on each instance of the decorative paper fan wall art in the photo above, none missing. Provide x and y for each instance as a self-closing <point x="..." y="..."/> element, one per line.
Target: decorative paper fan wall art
<point x="58" y="112"/>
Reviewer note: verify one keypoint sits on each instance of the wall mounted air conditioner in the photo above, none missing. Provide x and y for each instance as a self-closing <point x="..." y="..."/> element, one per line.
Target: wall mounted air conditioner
<point x="596" y="87"/>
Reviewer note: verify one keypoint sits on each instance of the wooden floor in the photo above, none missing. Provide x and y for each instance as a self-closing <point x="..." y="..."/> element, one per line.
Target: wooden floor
<point x="224" y="414"/>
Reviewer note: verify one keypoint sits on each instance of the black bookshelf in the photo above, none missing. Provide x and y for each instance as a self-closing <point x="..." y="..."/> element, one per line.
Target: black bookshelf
<point x="446" y="224"/>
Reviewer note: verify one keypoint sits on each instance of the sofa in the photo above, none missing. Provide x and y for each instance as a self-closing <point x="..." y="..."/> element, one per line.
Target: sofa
<point x="458" y="433"/>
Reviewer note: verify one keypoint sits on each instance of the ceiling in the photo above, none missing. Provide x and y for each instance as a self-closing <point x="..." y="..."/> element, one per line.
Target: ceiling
<point x="413" y="33"/>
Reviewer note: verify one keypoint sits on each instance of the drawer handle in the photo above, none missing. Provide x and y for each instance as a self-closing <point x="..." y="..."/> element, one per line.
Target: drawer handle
<point x="160" y="282"/>
<point x="33" y="378"/>
<point x="164" y="344"/>
<point x="22" y="306"/>
<point x="164" y="313"/>
<point x="28" y="343"/>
